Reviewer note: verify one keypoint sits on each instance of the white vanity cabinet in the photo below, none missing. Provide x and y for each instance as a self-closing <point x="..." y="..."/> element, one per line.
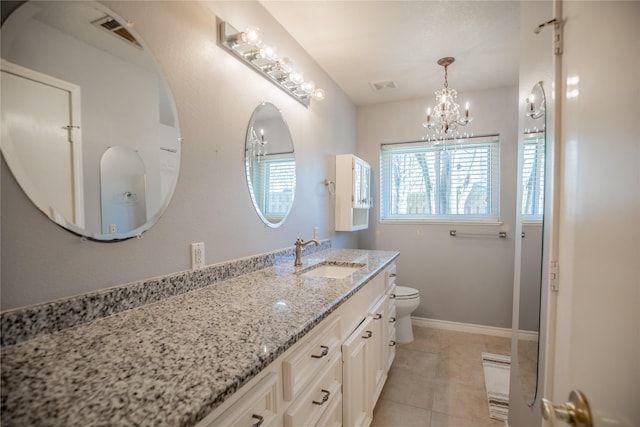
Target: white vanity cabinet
<point x="353" y="198"/>
<point x="332" y="377"/>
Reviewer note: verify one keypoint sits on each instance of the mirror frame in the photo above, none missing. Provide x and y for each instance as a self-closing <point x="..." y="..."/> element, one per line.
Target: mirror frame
<point x="250" y="141"/>
<point x="535" y="113"/>
<point x="13" y="23"/>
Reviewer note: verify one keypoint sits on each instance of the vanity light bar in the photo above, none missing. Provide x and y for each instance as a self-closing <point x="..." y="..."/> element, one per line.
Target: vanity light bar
<point x="248" y="47"/>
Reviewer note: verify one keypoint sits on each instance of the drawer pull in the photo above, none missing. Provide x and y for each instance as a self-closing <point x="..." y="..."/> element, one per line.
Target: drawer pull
<point x="392" y="320"/>
<point x="368" y="334"/>
<point x="392" y="296"/>
<point x="325" y="397"/>
<point x="392" y="275"/>
<point x="325" y="351"/>
<point x="259" y="418"/>
<point x="377" y="316"/>
<point x="392" y="343"/>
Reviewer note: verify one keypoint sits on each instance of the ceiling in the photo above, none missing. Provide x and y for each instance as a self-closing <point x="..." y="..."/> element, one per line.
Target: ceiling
<point x="359" y="42"/>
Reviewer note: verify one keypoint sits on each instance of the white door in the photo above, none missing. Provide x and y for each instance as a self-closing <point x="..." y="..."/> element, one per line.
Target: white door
<point x="38" y="142"/>
<point x="597" y="345"/>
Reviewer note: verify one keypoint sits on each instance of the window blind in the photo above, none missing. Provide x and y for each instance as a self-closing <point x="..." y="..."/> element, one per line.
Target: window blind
<point x="533" y="177"/>
<point x="274" y="185"/>
<point x="425" y="181"/>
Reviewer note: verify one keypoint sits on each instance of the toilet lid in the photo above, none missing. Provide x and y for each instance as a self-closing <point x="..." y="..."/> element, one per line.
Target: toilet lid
<point x="403" y="292"/>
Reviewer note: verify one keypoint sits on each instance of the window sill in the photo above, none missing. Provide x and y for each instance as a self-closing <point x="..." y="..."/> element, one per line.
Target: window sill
<point x="491" y="223"/>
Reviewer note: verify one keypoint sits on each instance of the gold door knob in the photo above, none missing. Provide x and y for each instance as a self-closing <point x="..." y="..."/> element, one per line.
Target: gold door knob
<point x="575" y="411"/>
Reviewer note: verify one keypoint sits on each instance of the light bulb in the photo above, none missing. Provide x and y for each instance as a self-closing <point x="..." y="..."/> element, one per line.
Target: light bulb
<point x="308" y="87"/>
<point x="319" y="94"/>
<point x="286" y="65"/>
<point x="268" y="52"/>
<point x="254" y="36"/>
<point x="296" y="77"/>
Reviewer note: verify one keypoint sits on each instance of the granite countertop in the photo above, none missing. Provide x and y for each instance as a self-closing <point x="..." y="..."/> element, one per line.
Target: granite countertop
<point x="174" y="361"/>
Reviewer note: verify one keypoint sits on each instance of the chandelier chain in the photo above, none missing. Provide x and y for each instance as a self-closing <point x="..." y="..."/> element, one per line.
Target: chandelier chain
<point x="446" y="81"/>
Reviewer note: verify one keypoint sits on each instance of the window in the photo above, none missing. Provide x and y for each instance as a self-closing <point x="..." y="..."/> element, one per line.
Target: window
<point x="533" y="177"/>
<point x="421" y="181"/>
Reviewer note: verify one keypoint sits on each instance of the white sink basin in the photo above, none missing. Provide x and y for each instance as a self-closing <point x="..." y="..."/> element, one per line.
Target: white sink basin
<point x="332" y="271"/>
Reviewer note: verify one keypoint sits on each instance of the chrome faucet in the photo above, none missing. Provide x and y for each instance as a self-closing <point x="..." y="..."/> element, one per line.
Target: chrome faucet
<point x="299" y="245"/>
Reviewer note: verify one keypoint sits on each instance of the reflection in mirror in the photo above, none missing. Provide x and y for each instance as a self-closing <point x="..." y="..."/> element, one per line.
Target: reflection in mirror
<point x="79" y="90"/>
<point x="122" y="190"/>
<point x="533" y="167"/>
<point x="270" y="164"/>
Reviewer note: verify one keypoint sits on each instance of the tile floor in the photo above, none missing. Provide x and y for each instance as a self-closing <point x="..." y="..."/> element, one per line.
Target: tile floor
<point x="438" y="381"/>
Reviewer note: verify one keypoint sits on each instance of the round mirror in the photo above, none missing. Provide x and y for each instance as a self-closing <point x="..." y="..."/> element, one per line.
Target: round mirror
<point x="270" y="164"/>
<point x="89" y="128"/>
<point x="533" y="171"/>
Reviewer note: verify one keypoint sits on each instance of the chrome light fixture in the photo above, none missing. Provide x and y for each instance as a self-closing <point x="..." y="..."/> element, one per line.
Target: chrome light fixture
<point x="444" y="118"/>
<point x="248" y="46"/>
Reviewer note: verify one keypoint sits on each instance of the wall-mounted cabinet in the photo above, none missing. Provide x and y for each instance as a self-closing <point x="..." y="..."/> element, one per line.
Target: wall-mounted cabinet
<point x="353" y="198"/>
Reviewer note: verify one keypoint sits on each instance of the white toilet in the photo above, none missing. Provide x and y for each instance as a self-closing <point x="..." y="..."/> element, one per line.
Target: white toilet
<point x="407" y="300"/>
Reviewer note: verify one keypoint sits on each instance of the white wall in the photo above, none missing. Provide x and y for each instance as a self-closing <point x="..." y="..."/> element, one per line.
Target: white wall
<point x="215" y="95"/>
<point x="460" y="280"/>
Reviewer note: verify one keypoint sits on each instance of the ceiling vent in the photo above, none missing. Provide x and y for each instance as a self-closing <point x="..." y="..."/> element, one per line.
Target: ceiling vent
<point x="382" y="85"/>
<point x="114" y="27"/>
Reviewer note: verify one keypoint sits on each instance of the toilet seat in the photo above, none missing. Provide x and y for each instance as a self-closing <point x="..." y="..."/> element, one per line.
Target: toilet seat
<point x="404" y="292"/>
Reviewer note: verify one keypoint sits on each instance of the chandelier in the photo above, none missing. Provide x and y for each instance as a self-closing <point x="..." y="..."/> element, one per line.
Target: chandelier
<point x="444" y="118"/>
<point x="257" y="145"/>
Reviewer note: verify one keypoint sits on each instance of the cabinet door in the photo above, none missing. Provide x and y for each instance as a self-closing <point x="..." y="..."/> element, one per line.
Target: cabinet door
<point x="361" y="176"/>
<point x="357" y="387"/>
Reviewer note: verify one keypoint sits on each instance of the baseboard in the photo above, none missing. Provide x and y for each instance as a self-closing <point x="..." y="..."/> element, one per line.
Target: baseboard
<point x="472" y="328"/>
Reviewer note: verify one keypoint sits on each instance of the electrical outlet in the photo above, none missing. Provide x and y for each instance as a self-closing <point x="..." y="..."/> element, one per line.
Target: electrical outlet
<point x="112" y="229"/>
<point x="197" y="255"/>
<point x="316" y="232"/>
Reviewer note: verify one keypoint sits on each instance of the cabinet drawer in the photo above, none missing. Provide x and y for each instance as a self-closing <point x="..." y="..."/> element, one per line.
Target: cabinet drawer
<point x="332" y="416"/>
<point x="257" y="407"/>
<point x="310" y="406"/>
<point x="304" y="364"/>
